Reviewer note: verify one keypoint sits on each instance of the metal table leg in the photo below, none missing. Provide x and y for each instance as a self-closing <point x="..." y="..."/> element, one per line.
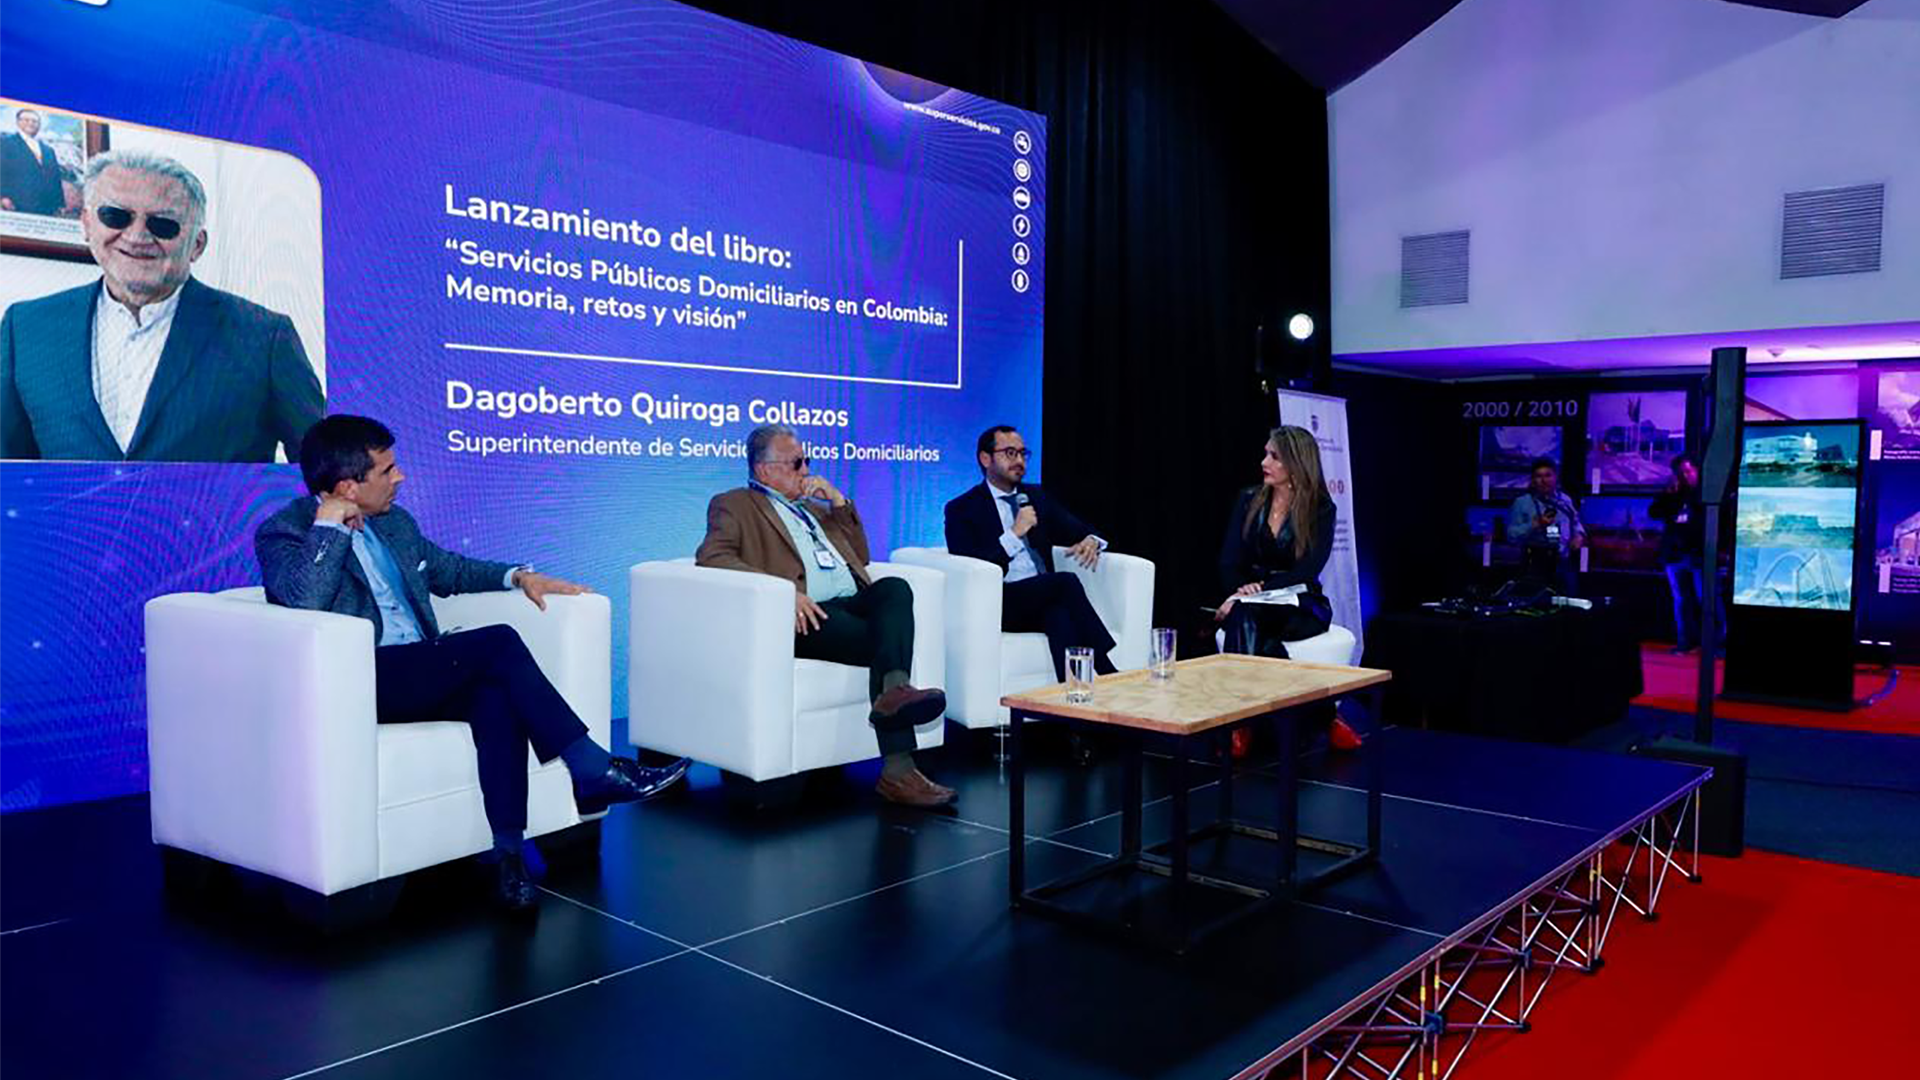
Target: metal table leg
<point x="1016" y="810"/>
<point x="1287" y="821"/>
<point x="1371" y="748"/>
<point x="1131" y="797"/>
<point x="1223" y="738"/>
<point x="1177" y="843"/>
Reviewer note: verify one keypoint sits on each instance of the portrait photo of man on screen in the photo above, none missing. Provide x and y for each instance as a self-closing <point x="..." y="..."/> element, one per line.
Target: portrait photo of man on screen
<point x="33" y="179"/>
<point x="146" y="362"/>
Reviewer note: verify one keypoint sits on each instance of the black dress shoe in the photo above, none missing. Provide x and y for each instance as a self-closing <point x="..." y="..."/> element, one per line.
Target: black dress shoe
<point x="626" y="780"/>
<point x="513" y="890"/>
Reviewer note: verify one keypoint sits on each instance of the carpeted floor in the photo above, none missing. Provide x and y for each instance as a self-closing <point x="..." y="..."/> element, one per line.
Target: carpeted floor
<point x="1848" y="797"/>
<point x="1671" y="683"/>
<point x="1773" y="966"/>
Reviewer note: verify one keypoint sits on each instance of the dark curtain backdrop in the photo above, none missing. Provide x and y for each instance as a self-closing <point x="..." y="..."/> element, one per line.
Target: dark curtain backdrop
<point x="1187" y="202"/>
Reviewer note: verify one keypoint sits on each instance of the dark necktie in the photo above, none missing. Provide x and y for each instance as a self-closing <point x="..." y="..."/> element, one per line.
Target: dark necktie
<point x="1013" y="504"/>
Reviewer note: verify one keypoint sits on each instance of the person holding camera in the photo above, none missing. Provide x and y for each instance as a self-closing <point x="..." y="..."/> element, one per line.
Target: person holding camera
<point x="1546" y="525"/>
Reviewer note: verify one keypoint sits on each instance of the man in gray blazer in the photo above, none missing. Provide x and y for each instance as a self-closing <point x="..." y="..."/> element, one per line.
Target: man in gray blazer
<point x="148" y="364"/>
<point x="348" y="549"/>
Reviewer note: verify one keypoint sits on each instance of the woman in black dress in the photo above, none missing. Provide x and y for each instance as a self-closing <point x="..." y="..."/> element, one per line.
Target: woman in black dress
<point x="1280" y="535"/>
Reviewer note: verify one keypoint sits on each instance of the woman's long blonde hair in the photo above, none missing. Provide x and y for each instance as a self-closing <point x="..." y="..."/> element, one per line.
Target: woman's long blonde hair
<point x="1299" y="451"/>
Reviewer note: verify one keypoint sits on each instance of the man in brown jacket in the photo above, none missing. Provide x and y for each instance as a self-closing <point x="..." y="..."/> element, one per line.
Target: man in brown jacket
<point x="798" y="527"/>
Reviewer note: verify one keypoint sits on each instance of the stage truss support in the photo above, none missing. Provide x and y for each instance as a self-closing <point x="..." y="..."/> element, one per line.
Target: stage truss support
<point x="1489" y="977"/>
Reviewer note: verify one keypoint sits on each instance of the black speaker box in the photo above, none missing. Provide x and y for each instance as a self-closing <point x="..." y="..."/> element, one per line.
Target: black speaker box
<point x="1723" y="802"/>
<point x="1726" y="403"/>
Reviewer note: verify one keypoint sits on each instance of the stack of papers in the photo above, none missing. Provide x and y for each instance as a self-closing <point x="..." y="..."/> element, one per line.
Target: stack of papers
<point x="1288" y="595"/>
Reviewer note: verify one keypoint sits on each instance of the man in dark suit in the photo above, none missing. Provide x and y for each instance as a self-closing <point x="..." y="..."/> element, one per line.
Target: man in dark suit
<point x="29" y="172"/>
<point x="348" y="549"/>
<point x="148" y="364"/>
<point x="798" y="527"/>
<point x="1015" y="525"/>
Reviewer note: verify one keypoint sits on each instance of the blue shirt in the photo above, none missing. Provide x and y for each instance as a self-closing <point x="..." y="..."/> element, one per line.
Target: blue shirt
<point x="823" y="583"/>
<point x="399" y="625"/>
<point x="1522" y="530"/>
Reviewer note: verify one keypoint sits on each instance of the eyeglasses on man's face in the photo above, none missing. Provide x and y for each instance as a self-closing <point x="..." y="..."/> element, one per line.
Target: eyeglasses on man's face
<point x="1013" y="453"/>
<point x="800" y="462"/>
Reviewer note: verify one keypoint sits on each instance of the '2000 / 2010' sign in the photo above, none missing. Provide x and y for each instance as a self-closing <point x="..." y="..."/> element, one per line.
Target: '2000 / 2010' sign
<point x="1532" y="409"/>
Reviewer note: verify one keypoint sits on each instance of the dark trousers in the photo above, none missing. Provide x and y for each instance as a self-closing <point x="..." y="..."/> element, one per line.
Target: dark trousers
<point x="1056" y="604"/>
<point x="1687" y="582"/>
<point x="1552" y="567"/>
<point x="1264" y="629"/>
<point x="873" y="628"/>
<point x="487" y="679"/>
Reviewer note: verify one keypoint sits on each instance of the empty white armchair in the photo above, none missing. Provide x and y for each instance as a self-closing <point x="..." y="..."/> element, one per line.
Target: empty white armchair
<point x="985" y="662"/>
<point x="712" y="675"/>
<point x="265" y="752"/>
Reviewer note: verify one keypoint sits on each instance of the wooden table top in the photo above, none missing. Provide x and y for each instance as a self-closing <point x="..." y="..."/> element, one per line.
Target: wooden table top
<point x="1205" y="692"/>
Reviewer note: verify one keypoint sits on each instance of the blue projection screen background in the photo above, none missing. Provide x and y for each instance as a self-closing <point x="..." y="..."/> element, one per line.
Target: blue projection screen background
<point x="570" y="261"/>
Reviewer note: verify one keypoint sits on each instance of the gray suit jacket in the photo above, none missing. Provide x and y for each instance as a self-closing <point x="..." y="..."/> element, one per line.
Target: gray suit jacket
<point x="311" y="568"/>
<point x="233" y="382"/>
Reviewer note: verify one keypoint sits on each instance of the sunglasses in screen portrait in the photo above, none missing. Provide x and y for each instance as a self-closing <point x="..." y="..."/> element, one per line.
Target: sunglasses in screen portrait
<point x="117" y="217"/>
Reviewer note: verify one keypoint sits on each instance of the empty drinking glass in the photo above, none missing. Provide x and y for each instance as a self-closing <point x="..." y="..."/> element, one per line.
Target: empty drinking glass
<point x="1160" y="653"/>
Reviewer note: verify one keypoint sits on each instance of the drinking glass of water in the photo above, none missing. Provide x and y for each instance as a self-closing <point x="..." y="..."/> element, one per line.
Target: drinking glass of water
<point x="1079" y="675"/>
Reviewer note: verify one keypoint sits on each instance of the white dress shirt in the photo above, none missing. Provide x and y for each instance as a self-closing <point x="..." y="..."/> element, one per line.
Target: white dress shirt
<point x="126" y="353"/>
<point x="1021" y="564"/>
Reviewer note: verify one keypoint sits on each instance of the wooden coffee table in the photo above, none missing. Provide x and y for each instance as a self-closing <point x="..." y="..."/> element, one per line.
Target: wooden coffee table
<point x="1207" y="697"/>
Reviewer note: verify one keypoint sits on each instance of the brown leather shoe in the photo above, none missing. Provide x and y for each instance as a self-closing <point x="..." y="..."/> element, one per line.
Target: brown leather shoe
<point x="913" y="789"/>
<point x="914" y="707"/>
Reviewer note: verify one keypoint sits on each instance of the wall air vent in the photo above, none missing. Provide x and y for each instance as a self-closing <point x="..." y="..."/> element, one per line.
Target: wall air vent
<point x="1831" y="231"/>
<point x="1433" y="269"/>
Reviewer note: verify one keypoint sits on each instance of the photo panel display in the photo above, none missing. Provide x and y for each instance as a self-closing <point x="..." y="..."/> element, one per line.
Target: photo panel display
<point x="1795" y="527"/>
<point x="1896" y="415"/>
<point x="1621" y="533"/>
<point x="1507" y="453"/>
<point x="1820" y="395"/>
<point x="1632" y="438"/>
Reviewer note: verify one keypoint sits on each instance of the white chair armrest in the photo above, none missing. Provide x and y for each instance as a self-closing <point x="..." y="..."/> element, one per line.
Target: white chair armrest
<point x="572" y="641"/>
<point x="1121" y="589"/>
<point x="929" y="618"/>
<point x="973" y="599"/>
<point x="710" y="666"/>
<point x="261" y="737"/>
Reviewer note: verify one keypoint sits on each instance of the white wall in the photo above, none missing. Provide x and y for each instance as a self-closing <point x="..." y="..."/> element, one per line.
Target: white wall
<point x="263" y="232"/>
<point x="1621" y="165"/>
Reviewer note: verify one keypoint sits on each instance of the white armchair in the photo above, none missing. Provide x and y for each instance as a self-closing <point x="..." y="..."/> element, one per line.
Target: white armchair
<point x="712" y="675"/>
<point x="265" y="754"/>
<point x="984" y="662"/>
<point x="1334" y="645"/>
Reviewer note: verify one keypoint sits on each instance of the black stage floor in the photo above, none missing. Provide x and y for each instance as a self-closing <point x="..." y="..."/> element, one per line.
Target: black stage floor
<point x="845" y="938"/>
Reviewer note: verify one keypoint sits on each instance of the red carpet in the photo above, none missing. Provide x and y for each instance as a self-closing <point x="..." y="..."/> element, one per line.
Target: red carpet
<point x="1670" y="682"/>
<point x="1770" y="967"/>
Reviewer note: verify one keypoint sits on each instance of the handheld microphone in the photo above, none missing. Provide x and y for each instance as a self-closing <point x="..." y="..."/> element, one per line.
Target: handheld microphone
<point x="1020" y="499"/>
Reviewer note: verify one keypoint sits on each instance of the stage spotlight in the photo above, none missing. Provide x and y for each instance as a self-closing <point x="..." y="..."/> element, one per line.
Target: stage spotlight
<point x="1300" y="326"/>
